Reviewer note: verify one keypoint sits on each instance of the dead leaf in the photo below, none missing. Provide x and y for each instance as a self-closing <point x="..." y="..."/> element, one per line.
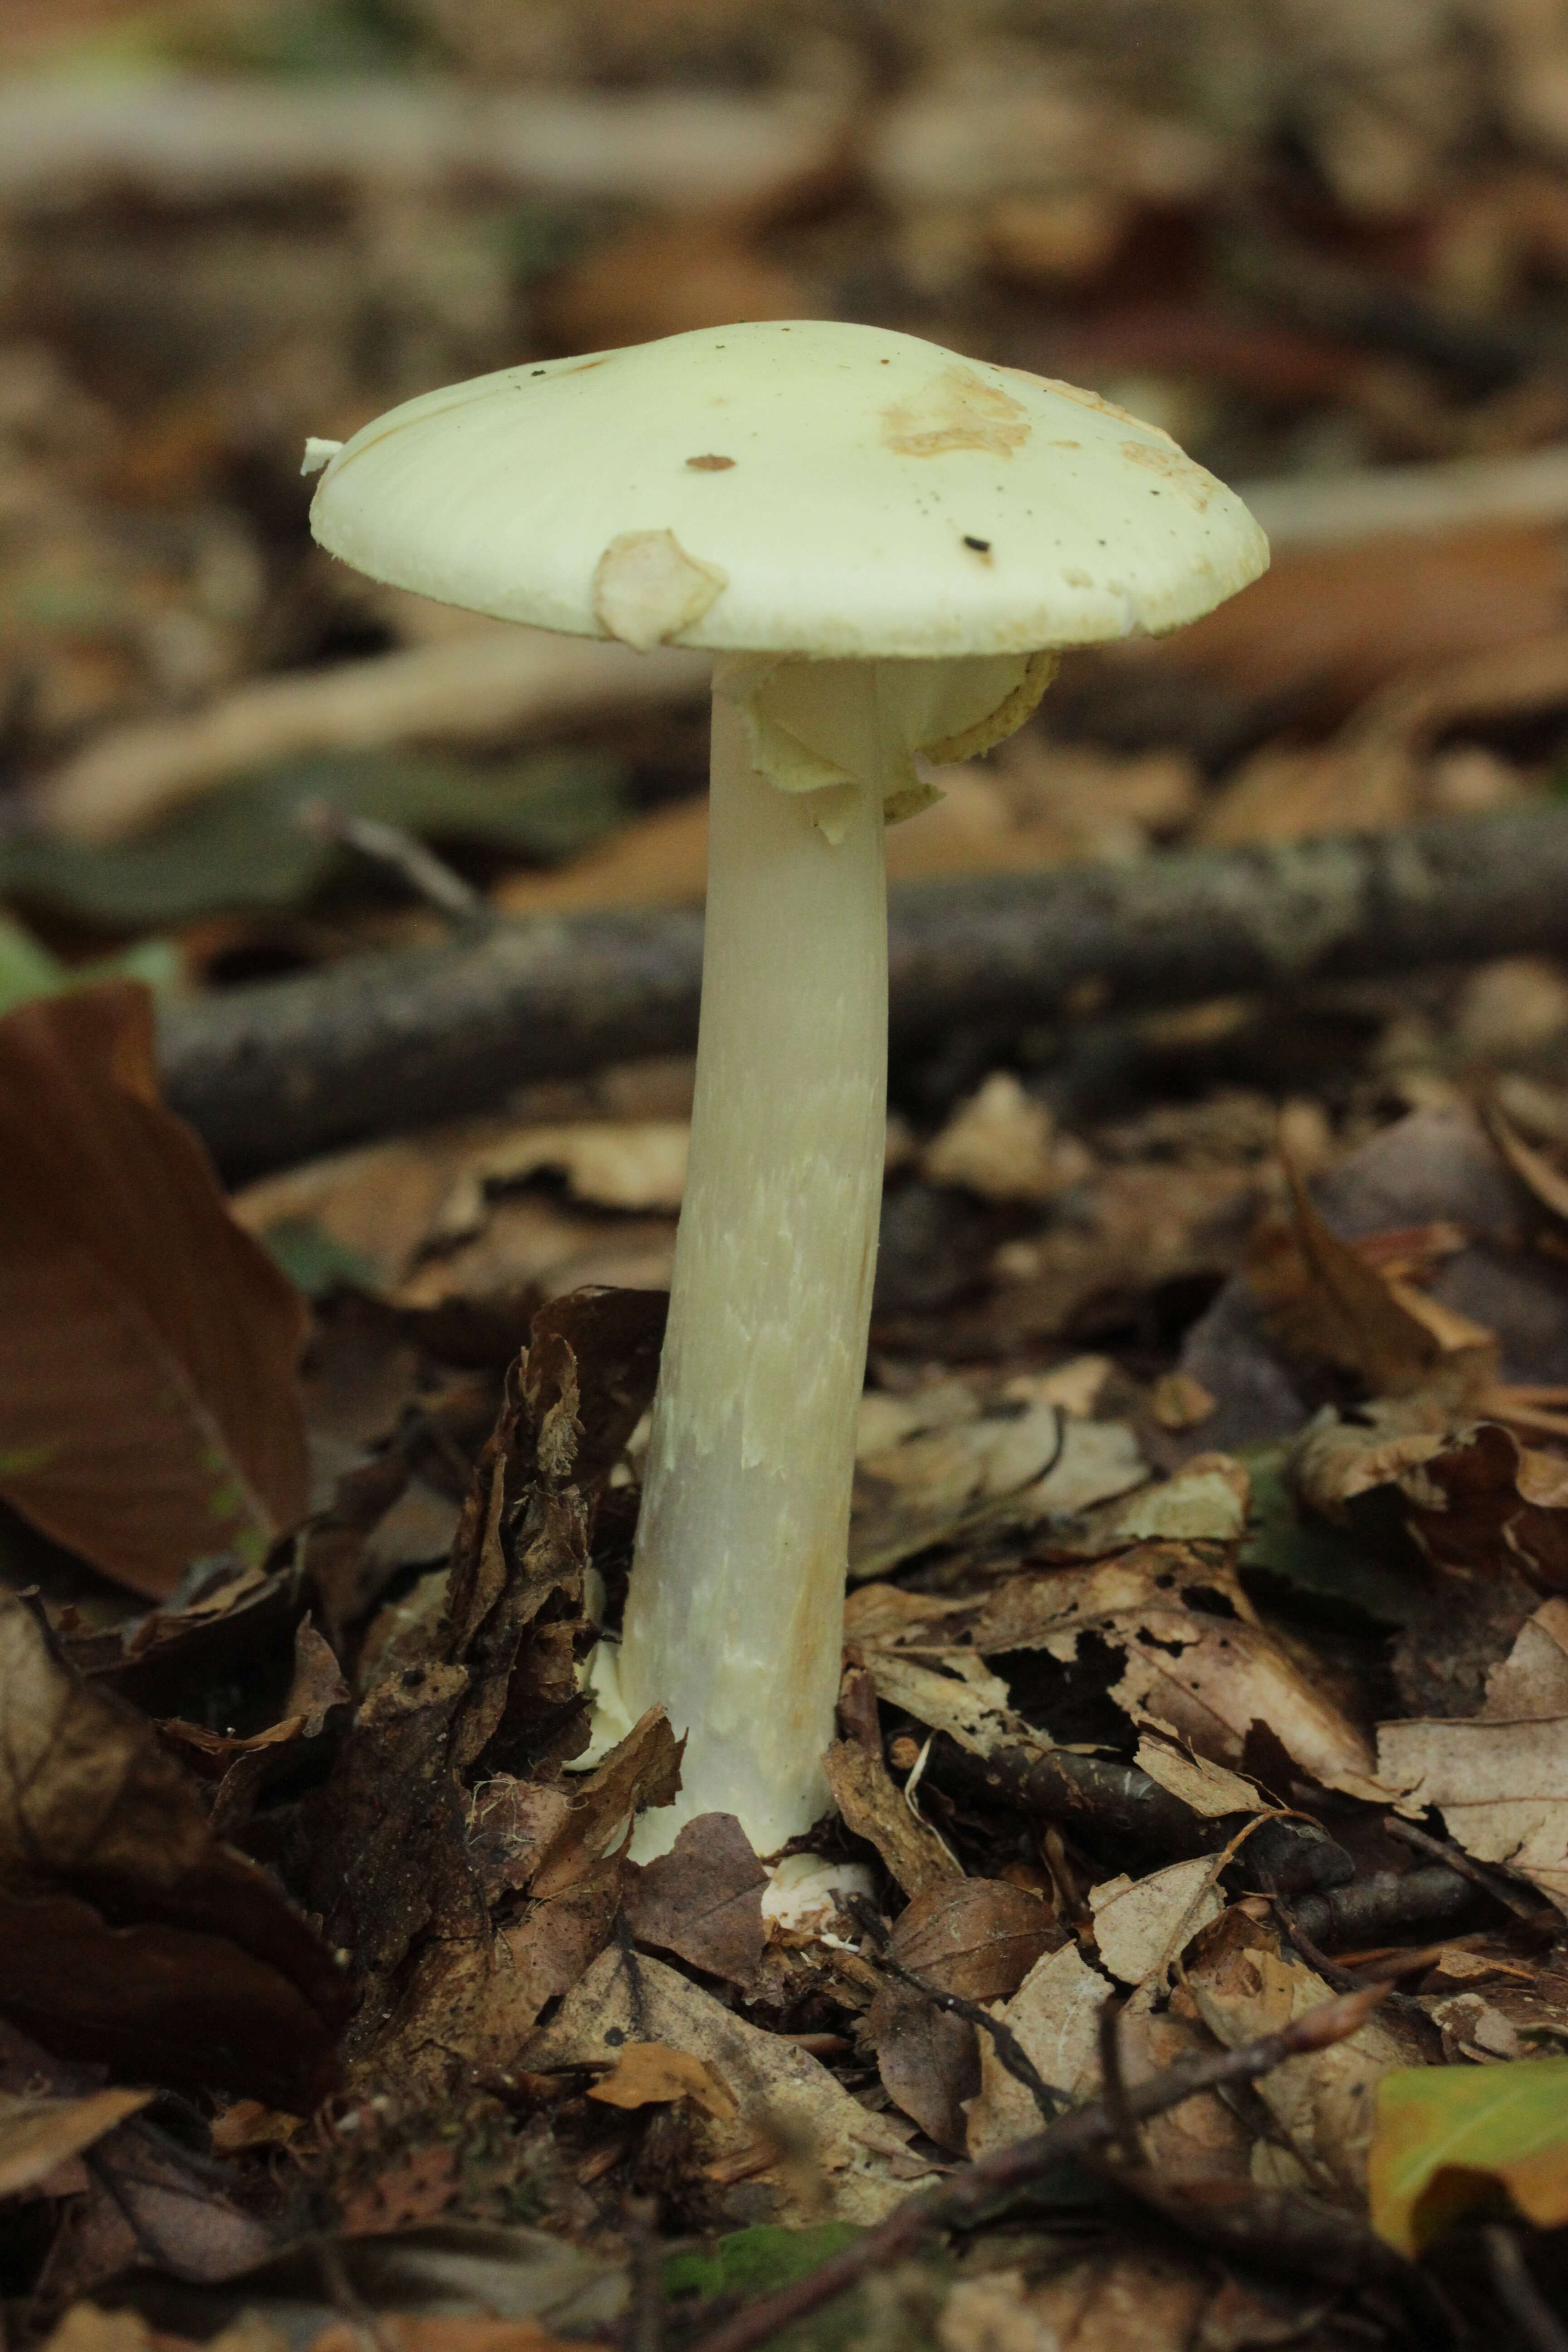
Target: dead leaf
<point x="703" y="1899"/>
<point x="38" y="2136"/>
<point x="1131" y="1229"/>
<point x="928" y="2059"/>
<point x="874" y="1808"/>
<point x="209" y="1977"/>
<point x="149" y="1416"/>
<point x="1055" y="2014"/>
<point x="1141" y="1924"/>
<point x="999" y="1144"/>
<point x="648" y="2074"/>
<point x="1323" y="2101"/>
<point x="1499" y="1779"/>
<point x="798" y="2145"/>
<point x="1323" y="1299"/>
<point x="976" y="1937"/>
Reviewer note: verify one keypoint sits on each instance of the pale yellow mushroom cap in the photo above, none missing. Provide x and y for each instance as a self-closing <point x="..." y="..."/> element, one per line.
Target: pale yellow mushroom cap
<point x="810" y="488"/>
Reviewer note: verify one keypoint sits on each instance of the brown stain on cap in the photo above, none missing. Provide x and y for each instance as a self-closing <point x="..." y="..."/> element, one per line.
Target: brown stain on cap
<point x="958" y="411"/>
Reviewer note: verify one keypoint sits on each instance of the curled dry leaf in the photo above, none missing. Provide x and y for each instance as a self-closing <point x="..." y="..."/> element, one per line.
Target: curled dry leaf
<point x="209" y="1976"/>
<point x="1325" y="1298"/>
<point x="149" y="1413"/>
<point x="447" y="1798"/>
<point x="649" y="2074"/>
<point x="875" y="1808"/>
<point x="1473" y="1497"/>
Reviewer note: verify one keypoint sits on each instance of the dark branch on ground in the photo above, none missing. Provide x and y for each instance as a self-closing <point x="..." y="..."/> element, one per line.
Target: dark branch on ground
<point x="274" y="1072"/>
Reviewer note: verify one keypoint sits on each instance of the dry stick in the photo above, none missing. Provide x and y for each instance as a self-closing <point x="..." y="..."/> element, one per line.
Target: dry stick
<point x="1495" y="1883"/>
<point x="401" y="853"/>
<point x="275" y="1072"/>
<point x="966" y="2197"/>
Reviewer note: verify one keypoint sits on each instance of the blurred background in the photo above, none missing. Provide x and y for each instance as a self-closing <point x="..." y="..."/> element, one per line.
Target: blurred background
<point x="1322" y="242"/>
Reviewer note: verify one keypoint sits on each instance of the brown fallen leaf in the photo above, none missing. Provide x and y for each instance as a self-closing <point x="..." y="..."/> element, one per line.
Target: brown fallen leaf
<point x="1243" y="1986"/>
<point x="486" y="1691"/>
<point x="975" y="1937"/>
<point x="1474" y="1498"/>
<point x="798" y="2145"/>
<point x="208" y="1977"/>
<point x="1055" y="2014"/>
<point x="874" y="1808"/>
<point x="1499" y="1779"/>
<point x="149" y="1412"/>
<point x="929" y="2061"/>
<point x="703" y="1899"/>
<point x="1201" y="1668"/>
<point x="648" y="2075"/>
<point x="38" y="2136"/>
<point x="1141" y="1924"/>
<point x="1323" y="1299"/>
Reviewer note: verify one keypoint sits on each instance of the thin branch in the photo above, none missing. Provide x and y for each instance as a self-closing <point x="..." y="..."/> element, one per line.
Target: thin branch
<point x="971" y="2194"/>
<point x="403" y="853"/>
<point x="274" y="1072"/>
<point x="1495" y="1883"/>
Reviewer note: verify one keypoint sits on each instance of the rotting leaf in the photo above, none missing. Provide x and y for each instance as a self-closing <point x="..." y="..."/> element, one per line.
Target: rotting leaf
<point x="207" y="1975"/>
<point x="149" y="1412"/>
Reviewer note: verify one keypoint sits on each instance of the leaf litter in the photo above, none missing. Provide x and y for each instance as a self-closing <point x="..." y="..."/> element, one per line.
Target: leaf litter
<point x="1205" y="1651"/>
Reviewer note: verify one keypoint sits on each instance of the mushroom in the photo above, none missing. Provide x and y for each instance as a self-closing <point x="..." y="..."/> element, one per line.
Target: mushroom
<point x="884" y="544"/>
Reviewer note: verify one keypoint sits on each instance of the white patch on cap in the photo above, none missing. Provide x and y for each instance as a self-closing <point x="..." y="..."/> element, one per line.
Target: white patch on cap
<point x="646" y="589"/>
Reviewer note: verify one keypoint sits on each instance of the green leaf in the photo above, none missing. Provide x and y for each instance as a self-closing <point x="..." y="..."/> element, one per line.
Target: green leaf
<point x="28" y="970"/>
<point x="1448" y="2137"/>
<point x="242" y="846"/>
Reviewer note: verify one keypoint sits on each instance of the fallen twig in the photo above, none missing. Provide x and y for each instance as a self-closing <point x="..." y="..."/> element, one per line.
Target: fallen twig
<point x="200" y="140"/>
<point x="965" y="2198"/>
<point x="1102" y="1800"/>
<point x="276" y="1072"/>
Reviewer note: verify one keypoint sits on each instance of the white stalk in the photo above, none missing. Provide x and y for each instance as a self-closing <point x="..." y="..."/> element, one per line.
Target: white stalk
<point x="735" y="1615"/>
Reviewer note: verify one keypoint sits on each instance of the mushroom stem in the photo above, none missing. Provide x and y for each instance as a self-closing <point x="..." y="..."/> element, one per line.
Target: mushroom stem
<point x="735" y="1614"/>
